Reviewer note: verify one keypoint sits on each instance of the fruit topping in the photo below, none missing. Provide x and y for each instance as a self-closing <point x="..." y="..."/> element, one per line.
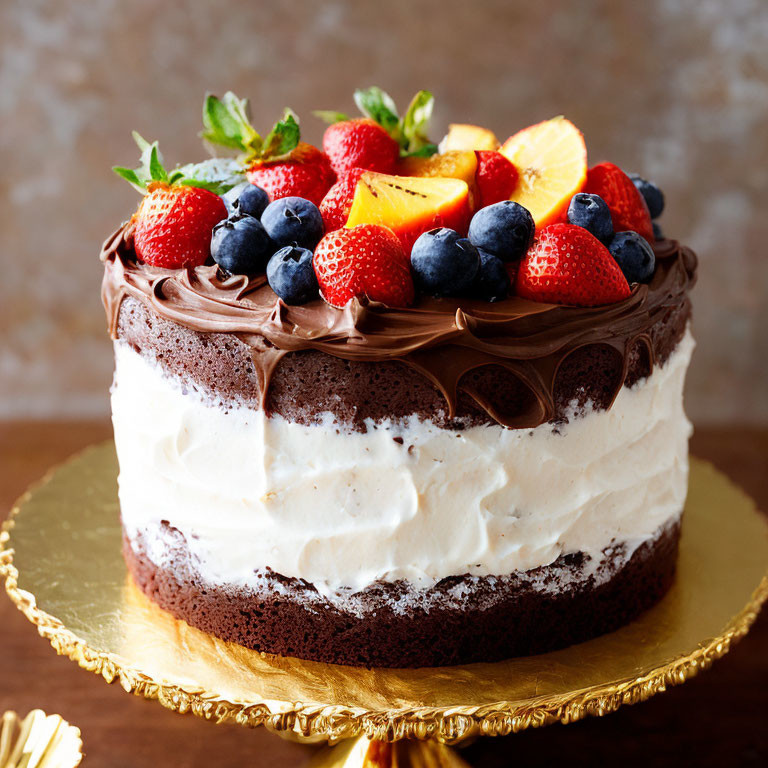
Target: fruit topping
<point x="504" y="229"/>
<point x="444" y="263"/>
<point x="409" y="132"/>
<point x="251" y="201"/>
<point x="360" y="143"/>
<point x="280" y="163"/>
<point x="628" y="209"/>
<point x="410" y="205"/>
<point x="363" y="261"/>
<point x="591" y="212"/>
<point x="464" y="136"/>
<point x="492" y="282"/>
<point x="653" y="196"/>
<point x="174" y="220"/>
<point x="496" y="178"/>
<point x="451" y="165"/>
<point x="337" y="202"/>
<point x="293" y="221"/>
<point x="634" y="256"/>
<point x="291" y="275"/>
<point x="241" y="245"/>
<point x="568" y="265"/>
<point x="551" y="159"/>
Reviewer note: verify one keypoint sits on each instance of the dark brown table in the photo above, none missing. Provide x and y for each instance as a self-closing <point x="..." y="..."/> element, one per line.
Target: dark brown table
<point x="719" y="718"/>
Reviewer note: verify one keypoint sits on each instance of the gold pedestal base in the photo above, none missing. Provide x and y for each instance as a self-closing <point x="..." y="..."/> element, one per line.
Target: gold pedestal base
<point x="60" y="555"/>
<point x="367" y="753"/>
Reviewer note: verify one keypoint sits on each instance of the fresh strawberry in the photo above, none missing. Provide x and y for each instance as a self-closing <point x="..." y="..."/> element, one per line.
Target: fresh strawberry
<point x="354" y="142"/>
<point x="279" y="163"/>
<point x="568" y="265"/>
<point x="336" y="204"/>
<point x="495" y="178"/>
<point x="360" y="143"/>
<point x="174" y="221"/>
<point x="306" y="174"/>
<point x="367" y="260"/>
<point x="628" y="208"/>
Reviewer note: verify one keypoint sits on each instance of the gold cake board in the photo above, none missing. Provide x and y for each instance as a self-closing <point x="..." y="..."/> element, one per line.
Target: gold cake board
<point x="60" y="556"/>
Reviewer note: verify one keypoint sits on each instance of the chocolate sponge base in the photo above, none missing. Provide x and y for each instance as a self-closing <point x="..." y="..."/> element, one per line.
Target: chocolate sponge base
<point x="460" y="620"/>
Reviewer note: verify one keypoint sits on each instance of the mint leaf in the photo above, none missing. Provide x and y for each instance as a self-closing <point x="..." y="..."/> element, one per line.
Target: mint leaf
<point x="379" y="106"/>
<point x="217" y="174"/>
<point x="282" y="139"/>
<point x="425" y="151"/>
<point x="331" y="117"/>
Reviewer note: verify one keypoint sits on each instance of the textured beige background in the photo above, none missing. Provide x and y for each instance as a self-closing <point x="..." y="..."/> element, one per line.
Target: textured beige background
<point x="678" y="90"/>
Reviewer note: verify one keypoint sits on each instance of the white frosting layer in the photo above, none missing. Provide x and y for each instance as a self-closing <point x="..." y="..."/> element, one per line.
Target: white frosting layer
<point x="342" y="510"/>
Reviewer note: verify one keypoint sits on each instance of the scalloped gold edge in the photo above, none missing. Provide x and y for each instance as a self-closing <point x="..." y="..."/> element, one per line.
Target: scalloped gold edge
<point x="334" y="723"/>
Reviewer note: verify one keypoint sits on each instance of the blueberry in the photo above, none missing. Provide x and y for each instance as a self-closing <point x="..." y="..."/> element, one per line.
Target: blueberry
<point x="592" y="213"/>
<point x="230" y="197"/>
<point x="504" y="229"/>
<point x="634" y="256"/>
<point x="492" y="281"/>
<point x="240" y="244"/>
<point x="252" y="200"/>
<point x="293" y="221"/>
<point x="657" y="231"/>
<point x="291" y="275"/>
<point x="444" y="263"/>
<point x="653" y="196"/>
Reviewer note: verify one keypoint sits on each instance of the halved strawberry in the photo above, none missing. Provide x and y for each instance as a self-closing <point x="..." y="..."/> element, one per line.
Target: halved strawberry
<point x="338" y="201"/>
<point x="279" y="163"/>
<point x="568" y="265"/>
<point x="360" y="143"/>
<point x="367" y="260"/>
<point x="628" y="208"/>
<point x="174" y="221"/>
<point x="496" y="178"/>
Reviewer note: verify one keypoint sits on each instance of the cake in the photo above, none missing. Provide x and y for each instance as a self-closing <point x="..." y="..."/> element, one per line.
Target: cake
<point x="394" y="404"/>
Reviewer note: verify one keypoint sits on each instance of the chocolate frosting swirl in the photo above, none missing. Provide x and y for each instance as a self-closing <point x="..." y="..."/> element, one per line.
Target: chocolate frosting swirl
<point x="443" y="339"/>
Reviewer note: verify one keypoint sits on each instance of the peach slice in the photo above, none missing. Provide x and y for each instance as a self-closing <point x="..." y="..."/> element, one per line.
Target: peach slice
<point x="410" y="205"/>
<point x="456" y="164"/>
<point x="551" y="159"/>
<point x="465" y="136"/>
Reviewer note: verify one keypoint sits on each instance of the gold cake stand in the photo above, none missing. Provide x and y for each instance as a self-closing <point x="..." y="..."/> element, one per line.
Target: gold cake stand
<point x="60" y="556"/>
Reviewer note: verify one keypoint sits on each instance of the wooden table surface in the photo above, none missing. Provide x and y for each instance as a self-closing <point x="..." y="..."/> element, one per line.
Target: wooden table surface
<point x="719" y="718"/>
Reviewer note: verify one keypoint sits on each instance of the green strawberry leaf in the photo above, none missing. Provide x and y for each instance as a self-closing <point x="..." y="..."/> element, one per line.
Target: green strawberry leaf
<point x="415" y="125"/>
<point x="425" y="151"/>
<point x="226" y="123"/>
<point x="282" y="139"/>
<point x="380" y="107"/>
<point x="331" y="117"/>
<point x="131" y="177"/>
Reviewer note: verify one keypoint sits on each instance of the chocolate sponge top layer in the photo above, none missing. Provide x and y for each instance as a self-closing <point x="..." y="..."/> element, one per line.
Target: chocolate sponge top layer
<point x="455" y="362"/>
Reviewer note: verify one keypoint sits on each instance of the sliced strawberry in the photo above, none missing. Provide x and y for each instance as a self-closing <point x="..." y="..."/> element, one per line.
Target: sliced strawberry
<point x="360" y="143"/>
<point x="337" y="202"/>
<point x="496" y="178"/>
<point x="367" y="260"/>
<point x="568" y="265"/>
<point x="628" y="209"/>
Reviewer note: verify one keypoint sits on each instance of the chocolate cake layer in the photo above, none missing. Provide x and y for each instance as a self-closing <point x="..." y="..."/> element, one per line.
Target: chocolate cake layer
<point x="460" y="620"/>
<point x="456" y="362"/>
<point x="308" y="383"/>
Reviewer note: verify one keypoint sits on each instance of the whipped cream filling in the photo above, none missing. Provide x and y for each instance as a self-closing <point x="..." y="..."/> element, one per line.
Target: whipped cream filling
<point x="404" y="500"/>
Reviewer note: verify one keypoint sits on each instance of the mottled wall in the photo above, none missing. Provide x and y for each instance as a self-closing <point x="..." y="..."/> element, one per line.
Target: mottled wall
<point x="678" y="90"/>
